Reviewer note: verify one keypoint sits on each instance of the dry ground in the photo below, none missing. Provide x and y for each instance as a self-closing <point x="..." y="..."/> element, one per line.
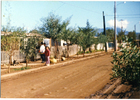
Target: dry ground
<point x="76" y="80"/>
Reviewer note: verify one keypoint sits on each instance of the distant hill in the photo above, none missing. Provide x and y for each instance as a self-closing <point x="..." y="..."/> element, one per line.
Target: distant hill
<point x="118" y="30"/>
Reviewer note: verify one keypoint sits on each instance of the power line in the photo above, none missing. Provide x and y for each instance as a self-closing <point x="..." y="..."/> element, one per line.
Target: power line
<point x="80" y="7"/>
<point x="130" y="15"/>
<point x="126" y="15"/>
<point x="59" y="7"/>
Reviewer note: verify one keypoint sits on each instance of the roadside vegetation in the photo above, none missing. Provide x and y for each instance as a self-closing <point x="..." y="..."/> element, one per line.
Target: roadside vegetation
<point x="126" y="65"/>
<point x="88" y="52"/>
<point x="22" y="68"/>
<point x="55" y="28"/>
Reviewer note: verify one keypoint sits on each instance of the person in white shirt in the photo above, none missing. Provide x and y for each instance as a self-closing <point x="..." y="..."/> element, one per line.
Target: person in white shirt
<point x="42" y="52"/>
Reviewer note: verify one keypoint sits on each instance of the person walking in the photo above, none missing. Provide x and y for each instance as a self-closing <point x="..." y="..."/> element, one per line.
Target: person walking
<point x="47" y="55"/>
<point x="42" y="52"/>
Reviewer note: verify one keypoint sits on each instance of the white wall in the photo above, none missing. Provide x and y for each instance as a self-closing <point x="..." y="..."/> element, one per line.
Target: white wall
<point x="61" y="42"/>
<point x="47" y="42"/>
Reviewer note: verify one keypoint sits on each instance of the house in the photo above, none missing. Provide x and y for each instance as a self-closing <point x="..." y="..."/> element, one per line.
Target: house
<point x="47" y="41"/>
<point x="60" y="43"/>
<point x="5" y="33"/>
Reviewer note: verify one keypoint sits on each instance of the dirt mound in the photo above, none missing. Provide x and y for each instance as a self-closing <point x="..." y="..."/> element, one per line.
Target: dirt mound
<point x="114" y="90"/>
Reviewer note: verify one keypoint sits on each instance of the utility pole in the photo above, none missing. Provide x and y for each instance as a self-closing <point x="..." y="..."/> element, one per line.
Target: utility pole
<point x="135" y="28"/>
<point x="104" y="30"/>
<point x="121" y="25"/>
<point x="114" y="25"/>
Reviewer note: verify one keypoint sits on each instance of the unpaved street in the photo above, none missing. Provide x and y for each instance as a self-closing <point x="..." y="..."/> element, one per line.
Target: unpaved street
<point x="76" y="80"/>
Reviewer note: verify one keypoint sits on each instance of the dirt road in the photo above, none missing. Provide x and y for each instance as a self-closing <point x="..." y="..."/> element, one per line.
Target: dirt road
<point x="76" y="80"/>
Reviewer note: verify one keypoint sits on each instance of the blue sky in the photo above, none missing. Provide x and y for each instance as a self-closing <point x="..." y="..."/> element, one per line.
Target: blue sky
<point x="27" y="14"/>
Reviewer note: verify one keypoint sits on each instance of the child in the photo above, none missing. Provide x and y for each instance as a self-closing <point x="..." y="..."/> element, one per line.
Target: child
<point x="47" y="55"/>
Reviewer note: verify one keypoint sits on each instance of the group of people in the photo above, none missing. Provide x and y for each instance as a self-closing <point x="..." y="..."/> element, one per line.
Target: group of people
<point x="45" y="53"/>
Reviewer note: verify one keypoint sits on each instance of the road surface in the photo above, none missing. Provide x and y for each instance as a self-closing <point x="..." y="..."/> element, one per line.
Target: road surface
<point x="76" y="80"/>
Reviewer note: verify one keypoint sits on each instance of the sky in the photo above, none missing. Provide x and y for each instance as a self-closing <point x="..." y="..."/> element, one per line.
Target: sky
<point x="28" y="14"/>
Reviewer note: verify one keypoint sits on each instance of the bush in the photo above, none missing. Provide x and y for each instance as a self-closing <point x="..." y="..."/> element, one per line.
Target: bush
<point x="87" y="52"/>
<point x="127" y="63"/>
<point x="22" y="68"/>
<point x="93" y="51"/>
<point x="80" y="52"/>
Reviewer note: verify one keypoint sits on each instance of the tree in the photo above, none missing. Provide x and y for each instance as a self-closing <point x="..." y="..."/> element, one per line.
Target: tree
<point x="110" y="35"/>
<point x="102" y="39"/>
<point x="10" y="43"/>
<point x="120" y="37"/>
<point x="87" y="37"/>
<point x="68" y="36"/>
<point x="35" y="31"/>
<point x="53" y="28"/>
<point x="74" y="37"/>
<point x="28" y="47"/>
<point x="4" y="29"/>
<point x="132" y="35"/>
<point x="96" y="42"/>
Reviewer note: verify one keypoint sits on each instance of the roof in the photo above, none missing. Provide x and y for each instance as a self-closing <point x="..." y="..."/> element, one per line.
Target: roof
<point x="27" y="34"/>
<point x="33" y="34"/>
<point x="5" y="33"/>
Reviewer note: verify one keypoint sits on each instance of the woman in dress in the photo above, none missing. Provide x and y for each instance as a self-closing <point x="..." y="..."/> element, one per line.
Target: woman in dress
<point x="47" y="55"/>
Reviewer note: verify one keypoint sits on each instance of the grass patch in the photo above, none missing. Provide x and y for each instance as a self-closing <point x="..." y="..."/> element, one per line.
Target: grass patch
<point x="81" y="52"/>
<point x="22" y="68"/>
<point x="97" y="50"/>
<point x="87" y="52"/>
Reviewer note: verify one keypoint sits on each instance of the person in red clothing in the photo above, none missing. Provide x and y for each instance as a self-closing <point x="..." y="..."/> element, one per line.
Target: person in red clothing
<point x="47" y="55"/>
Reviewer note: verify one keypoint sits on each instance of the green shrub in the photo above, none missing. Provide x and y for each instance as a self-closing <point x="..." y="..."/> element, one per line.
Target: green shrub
<point x="93" y="51"/>
<point x="87" y="52"/>
<point x="22" y="68"/>
<point x="126" y="64"/>
<point x="96" y="50"/>
<point x="102" y="49"/>
<point x="80" y="52"/>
